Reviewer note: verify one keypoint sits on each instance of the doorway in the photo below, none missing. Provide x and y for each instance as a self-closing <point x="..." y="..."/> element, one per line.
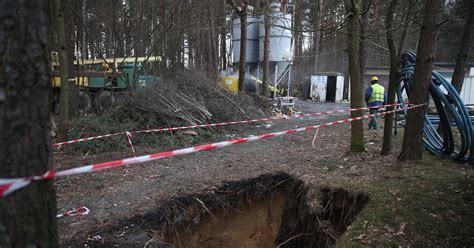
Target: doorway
<point x="331" y="89"/>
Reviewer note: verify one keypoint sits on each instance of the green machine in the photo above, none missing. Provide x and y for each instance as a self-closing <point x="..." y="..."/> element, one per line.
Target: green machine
<point x="100" y="86"/>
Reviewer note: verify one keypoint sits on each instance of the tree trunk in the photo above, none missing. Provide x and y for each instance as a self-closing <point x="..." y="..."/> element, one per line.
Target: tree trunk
<point x="357" y="130"/>
<point x="364" y="28"/>
<point x="27" y="217"/>
<point x="412" y="139"/>
<point x="394" y="68"/>
<point x="223" y="37"/>
<point x="464" y="50"/>
<point x="317" y="9"/>
<point x="63" y="124"/>
<point x="242" y="13"/>
<point x="243" y="49"/>
<point x="393" y="79"/>
<point x="213" y="58"/>
<point x="266" y="47"/>
<point x="297" y="34"/>
<point x="70" y="22"/>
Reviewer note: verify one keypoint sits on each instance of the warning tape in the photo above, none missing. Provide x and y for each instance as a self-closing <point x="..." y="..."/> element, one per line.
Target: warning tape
<point x="8" y="186"/>
<point x="75" y="212"/>
<point x="169" y="129"/>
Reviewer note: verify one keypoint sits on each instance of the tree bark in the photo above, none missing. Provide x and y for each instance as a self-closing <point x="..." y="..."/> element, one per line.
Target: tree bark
<point x="223" y="37"/>
<point x="266" y="52"/>
<point x="70" y="34"/>
<point x="63" y="124"/>
<point x="297" y="28"/>
<point x="27" y="217"/>
<point x="364" y="28"/>
<point x="464" y="51"/>
<point x="394" y="68"/>
<point x="412" y="139"/>
<point x="243" y="47"/>
<point x="213" y="56"/>
<point x="317" y="9"/>
<point x="357" y="130"/>
<point x="393" y="79"/>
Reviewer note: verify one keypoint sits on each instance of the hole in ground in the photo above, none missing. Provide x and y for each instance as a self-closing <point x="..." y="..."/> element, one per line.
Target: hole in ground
<point x="266" y="211"/>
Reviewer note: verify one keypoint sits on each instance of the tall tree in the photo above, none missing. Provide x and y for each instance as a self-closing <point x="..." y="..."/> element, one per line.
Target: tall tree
<point x="266" y="50"/>
<point x="69" y="16"/>
<point x="364" y="30"/>
<point x="63" y="70"/>
<point x="223" y="36"/>
<point x="25" y="150"/>
<point x="316" y="20"/>
<point x="241" y="11"/>
<point x="357" y="129"/>
<point x="465" y="49"/>
<point x="395" y="53"/>
<point x="412" y="138"/>
<point x="297" y="26"/>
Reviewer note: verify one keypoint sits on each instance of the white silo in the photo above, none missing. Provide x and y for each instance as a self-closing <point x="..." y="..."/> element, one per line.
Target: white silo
<point x="280" y="50"/>
<point x="280" y="47"/>
<point x="280" y="35"/>
<point x="252" y="40"/>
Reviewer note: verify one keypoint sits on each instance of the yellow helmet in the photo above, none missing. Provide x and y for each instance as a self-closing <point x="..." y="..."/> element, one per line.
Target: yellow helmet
<point x="374" y="79"/>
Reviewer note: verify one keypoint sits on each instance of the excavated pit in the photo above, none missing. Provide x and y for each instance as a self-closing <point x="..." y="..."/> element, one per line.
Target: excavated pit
<point x="267" y="211"/>
<point x="274" y="210"/>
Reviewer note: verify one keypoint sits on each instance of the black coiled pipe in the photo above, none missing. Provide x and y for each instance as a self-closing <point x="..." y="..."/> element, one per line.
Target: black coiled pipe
<point x="453" y="137"/>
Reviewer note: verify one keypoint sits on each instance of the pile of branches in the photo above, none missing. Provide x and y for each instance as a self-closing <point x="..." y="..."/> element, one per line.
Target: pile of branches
<point x="192" y="98"/>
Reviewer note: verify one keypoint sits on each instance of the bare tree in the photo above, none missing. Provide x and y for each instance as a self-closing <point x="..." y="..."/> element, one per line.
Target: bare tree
<point x="395" y="54"/>
<point x="357" y="129"/>
<point x="223" y="36"/>
<point x="25" y="149"/>
<point x="266" y="48"/>
<point x="63" y="70"/>
<point x="316" y="19"/>
<point x="364" y="28"/>
<point x="297" y="26"/>
<point x="412" y="139"/>
<point x="465" y="49"/>
<point x="241" y="11"/>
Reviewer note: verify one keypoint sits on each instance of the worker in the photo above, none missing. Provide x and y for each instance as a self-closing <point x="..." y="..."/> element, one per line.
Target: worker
<point x="374" y="97"/>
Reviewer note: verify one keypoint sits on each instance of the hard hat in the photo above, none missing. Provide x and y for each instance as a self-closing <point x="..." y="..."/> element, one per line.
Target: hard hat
<point x="374" y="79"/>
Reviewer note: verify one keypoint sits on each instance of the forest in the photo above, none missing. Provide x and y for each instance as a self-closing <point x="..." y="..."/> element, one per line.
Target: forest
<point x="125" y="123"/>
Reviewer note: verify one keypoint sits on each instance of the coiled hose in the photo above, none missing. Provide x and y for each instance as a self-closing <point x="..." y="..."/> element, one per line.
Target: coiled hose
<point x="451" y="135"/>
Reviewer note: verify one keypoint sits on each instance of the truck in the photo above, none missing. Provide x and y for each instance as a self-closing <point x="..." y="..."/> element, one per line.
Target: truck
<point x="99" y="82"/>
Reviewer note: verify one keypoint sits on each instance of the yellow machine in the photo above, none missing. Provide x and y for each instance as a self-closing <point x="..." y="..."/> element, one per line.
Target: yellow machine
<point x="56" y="81"/>
<point x="231" y="83"/>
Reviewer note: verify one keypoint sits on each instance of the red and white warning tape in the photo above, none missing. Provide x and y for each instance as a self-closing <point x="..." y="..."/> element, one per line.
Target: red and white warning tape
<point x="8" y="186"/>
<point x="75" y="212"/>
<point x="169" y="129"/>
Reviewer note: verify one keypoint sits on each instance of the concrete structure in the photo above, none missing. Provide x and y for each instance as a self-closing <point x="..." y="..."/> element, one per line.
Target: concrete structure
<point x="467" y="91"/>
<point x="327" y="87"/>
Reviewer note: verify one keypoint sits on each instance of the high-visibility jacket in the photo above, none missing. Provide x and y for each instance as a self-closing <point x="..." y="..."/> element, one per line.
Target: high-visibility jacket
<point x="378" y="93"/>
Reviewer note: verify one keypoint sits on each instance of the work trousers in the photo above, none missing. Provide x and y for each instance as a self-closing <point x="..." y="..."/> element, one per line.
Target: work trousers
<point x="373" y="119"/>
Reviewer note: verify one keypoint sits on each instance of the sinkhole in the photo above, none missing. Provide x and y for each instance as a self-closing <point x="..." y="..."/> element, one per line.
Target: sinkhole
<point x="275" y="210"/>
<point x="272" y="210"/>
